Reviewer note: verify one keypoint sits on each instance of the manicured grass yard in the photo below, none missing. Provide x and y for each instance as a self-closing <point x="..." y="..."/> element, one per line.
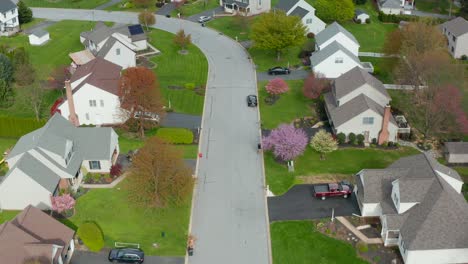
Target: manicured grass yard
<point x="174" y="69"/>
<point x="436" y="6"/>
<point x="197" y="7"/>
<point x="231" y="27"/>
<point x="118" y="7"/>
<point x="123" y="222"/>
<point x="342" y="161"/>
<point x="6" y="143"/>
<point x="7" y="215"/>
<point x="297" y="242"/>
<point x="265" y="59"/>
<point x="83" y="4"/>
<point x="383" y="68"/>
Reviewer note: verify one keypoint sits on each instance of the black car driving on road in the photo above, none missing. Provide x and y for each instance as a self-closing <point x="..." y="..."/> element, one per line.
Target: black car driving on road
<point x="252" y="100"/>
<point x="127" y="255"/>
<point x="278" y="70"/>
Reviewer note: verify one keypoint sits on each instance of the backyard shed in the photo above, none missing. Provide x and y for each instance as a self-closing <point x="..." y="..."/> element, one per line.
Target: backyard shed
<point x="38" y="37"/>
<point x="360" y="16"/>
<point x="456" y="152"/>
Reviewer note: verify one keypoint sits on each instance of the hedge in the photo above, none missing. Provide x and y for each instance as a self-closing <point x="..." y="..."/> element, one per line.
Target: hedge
<point x="393" y="18"/>
<point x="175" y="135"/>
<point x="17" y="127"/>
<point x="91" y="235"/>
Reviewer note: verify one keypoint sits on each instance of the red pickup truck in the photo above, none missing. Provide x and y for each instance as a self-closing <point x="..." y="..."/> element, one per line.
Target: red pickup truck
<point x="323" y="191"/>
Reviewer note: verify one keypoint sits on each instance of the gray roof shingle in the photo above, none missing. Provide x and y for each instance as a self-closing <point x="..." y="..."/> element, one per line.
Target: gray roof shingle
<point x="457" y="147"/>
<point x="6" y="5"/>
<point x="331" y="31"/>
<point x="102" y="32"/>
<point x="39" y="172"/>
<point x="299" y="11"/>
<point x="39" y="33"/>
<point x="354" y="79"/>
<point x="390" y="3"/>
<point x="286" y="5"/>
<point x="323" y="54"/>
<point x="457" y="26"/>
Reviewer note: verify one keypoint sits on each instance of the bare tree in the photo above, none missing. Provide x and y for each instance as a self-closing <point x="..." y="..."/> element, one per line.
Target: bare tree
<point x="34" y="94"/>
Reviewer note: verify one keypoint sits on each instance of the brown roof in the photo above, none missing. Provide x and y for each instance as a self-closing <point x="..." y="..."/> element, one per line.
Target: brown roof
<point x="31" y="235"/>
<point x="100" y="73"/>
<point x="81" y="57"/>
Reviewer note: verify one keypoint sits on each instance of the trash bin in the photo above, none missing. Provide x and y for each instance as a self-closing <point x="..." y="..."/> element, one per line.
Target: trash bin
<point x="203" y="24"/>
<point x="168" y="15"/>
<point x="190" y="251"/>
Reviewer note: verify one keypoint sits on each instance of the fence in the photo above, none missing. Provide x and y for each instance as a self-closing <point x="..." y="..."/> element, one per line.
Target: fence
<point x="376" y="55"/>
<point x="401" y="87"/>
<point x="124" y="244"/>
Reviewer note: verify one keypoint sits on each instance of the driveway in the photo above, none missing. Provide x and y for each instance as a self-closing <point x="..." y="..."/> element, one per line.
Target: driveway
<point x="295" y="75"/>
<point x="211" y="12"/>
<point x="83" y="257"/>
<point x="299" y="203"/>
<point x="181" y="120"/>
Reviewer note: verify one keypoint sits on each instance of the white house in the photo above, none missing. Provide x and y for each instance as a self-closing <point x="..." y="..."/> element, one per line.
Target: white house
<point x="395" y="7"/>
<point x="335" y="32"/>
<point x="456" y="31"/>
<point x="421" y="209"/>
<point x="456" y="152"/>
<point x="52" y="158"/>
<point x="9" y="23"/>
<point x="35" y="237"/>
<point x="245" y="7"/>
<point x="39" y="37"/>
<point x="303" y="10"/>
<point x="334" y="60"/>
<point x="118" y="45"/>
<point x="94" y="94"/>
<point x="359" y="103"/>
<point x="360" y="16"/>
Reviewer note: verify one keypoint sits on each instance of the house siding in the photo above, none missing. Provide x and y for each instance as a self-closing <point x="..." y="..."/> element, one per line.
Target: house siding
<point x="126" y="58"/>
<point x="369" y="91"/>
<point x="317" y="24"/>
<point x="344" y="41"/>
<point x="330" y="69"/>
<point x="457" y="158"/>
<point x="105" y="166"/>
<point x="390" y="11"/>
<point x="456" y="184"/>
<point x="371" y="209"/>
<point x="460" y="45"/>
<point x="34" y="40"/>
<point x="6" y="21"/>
<point x="141" y="44"/>
<point x="437" y="256"/>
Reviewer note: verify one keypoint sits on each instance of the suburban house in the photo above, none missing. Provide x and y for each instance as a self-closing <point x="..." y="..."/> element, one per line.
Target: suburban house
<point x="80" y="58"/>
<point x="92" y="94"/>
<point x="420" y="207"/>
<point x="456" y="152"/>
<point x="245" y="7"/>
<point x="360" y="16"/>
<point x="118" y="45"/>
<point x="336" y="52"/>
<point x="456" y="31"/>
<point x="35" y="237"/>
<point x="395" y="7"/>
<point x="55" y="157"/>
<point x="38" y="37"/>
<point x="9" y="23"/>
<point x="303" y="10"/>
<point x="359" y="103"/>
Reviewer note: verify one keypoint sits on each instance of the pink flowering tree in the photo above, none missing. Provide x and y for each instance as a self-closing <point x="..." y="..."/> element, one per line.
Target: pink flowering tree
<point x="63" y="203"/>
<point x="286" y="142"/>
<point x="276" y="87"/>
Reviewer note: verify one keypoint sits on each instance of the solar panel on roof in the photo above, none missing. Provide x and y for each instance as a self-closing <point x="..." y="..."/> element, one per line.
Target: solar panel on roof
<point x="135" y="29"/>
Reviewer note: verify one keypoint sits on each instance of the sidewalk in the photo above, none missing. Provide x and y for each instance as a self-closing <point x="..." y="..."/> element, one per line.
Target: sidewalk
<point x="358" y="233"/>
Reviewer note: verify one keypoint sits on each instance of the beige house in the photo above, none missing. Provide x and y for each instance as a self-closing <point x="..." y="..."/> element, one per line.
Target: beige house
<point x="456" y="31"/>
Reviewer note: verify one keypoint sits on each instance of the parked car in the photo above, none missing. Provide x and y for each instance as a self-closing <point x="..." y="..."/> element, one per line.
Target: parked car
<point x="252" y="100"/>
<point x="342" y="188"/>
<point x="126" y="255"/>
<point x="204" y="19"/>
<point x="278" y="70"/>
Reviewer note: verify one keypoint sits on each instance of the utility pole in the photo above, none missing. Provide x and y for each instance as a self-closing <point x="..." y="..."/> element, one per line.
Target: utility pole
<point x="450" y="10"/>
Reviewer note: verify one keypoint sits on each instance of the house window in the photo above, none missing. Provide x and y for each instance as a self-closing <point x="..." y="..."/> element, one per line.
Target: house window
<point x="92" y="103"/>
<point x="445" y="30"/>
<point x="13" y="11"/>
<point x="309" y="21"/>
<point x="117" y="51"/>
<point x="14" y="20"/>
<point x="454" y="38"/>
<point x="94" y="165"/>
<point x="101" y="102"/>
<point x="339" y="60"/>
<point x="395" y="198"/>
<point x="67" y="159"/>
<point x="87" y="116"/>
<point x="368" y="121"/>
<point x="452" y="49"/>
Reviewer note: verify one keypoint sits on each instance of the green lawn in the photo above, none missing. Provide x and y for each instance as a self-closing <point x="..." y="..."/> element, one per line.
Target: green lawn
<point x="290" y="106"/>
<point x="6" y="143"/>
<point x="371" y="36"/>
<point x="197" y="7"/>
<point x="343" y="161"/>
<point x="265" y="59"/>
<point x="7" y="215"/>
<point x="436" y="6"/>
<point x="297" y="242"/>
<point x="232" y="26"/>
<point x="174" y="69"/>
<point x="83" y="4"/>
<point x="34" y="22"/>
<point x="118" y="7"/>
<point x="123" y="222"/>
<point x="383" y="68"/>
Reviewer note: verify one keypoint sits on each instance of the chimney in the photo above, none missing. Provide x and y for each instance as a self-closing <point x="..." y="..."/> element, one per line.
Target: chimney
<point x="73" y="117"/>
<point x="383" y="134"/>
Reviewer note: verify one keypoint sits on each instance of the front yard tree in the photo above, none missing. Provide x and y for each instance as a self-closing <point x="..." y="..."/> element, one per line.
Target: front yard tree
<point x="464" y="8"/>
<point x="286" y="142"/>
<point x="25" y="14"/>
<point x="323" y="143"/>
<point x="275" y="31"/>
<point x="147" y="18"/>
<point x="182" y="40"/>
<point x="314" y="85"/>
<point x="24" y="74"/>
<point x="6" y="69"/>
<point x="139" y="96"/>
<point x="335" y="10"/>
<point x="62" y="203"/>
<point x="142" y="3"/>
<point x="276" y="87"/>
<point x="159" y="176"/>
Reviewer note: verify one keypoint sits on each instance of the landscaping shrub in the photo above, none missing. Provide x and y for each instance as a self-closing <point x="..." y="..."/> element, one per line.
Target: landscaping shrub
<point x="91" y="235"/>
<point x="17" y="127"/>
<point x="367" y="20"/>
<point x="360" y="2"/>
<point x="362" y="247"/>
<point x="189" y="86"/>
<point x="352" y="138"/>
<point x="116" y="170"/>
<point x="392" y="18"/>
<point x="310" y="35"/>
<point x="341" y="137"/>
<point x="374" y="141"/>
<point x="390" y="144"/>
<point x="360" y="139"/>
<point x="464" y="57"/>
<point x="175" y="135"/>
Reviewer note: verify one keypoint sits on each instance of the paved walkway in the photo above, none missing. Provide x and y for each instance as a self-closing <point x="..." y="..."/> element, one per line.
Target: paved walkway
<point x="108" y="4"/>
<point x="43" y="25"/>
<point x="358" y="233"/>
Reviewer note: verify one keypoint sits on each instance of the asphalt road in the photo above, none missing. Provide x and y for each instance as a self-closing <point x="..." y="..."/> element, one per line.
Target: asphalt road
<point x="229" y="216"/>
<point x="299" y="203"/>
<point x="81" y="257"/>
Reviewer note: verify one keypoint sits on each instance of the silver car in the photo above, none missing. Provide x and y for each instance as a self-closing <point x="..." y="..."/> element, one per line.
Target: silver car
<point x="204" y="19"/>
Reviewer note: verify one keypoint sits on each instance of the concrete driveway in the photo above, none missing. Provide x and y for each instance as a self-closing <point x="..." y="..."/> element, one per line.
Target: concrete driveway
<point x="299" y="203"/>
<point x="82" y="257"/>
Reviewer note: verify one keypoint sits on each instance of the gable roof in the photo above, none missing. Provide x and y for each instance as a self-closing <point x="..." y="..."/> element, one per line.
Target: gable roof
<point x="39" y="32"/>
<point x="389" y="3"/>
<point x="323" y="54"/>
<point x="31" y="235"/>
<point x="354" y="79"/>
<point x="102" y="32"/>
<point x="330" y="31"/>
<point x="6" y="5"/>
<point x="457" y="26"/>
<point x="82" y="57"/>
<point x="38" y="172"/>
<point x="358" y="12"/>
<point x="286" y="5"/>
<point x="299" y="11"/>
<point x="457" y="147"/>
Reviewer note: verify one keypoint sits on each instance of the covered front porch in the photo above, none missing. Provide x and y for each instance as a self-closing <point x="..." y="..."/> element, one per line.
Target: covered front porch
<point x="235" y="7"/>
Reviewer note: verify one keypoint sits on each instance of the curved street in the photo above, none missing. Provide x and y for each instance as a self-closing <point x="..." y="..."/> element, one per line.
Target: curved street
<point x="229" y="217"/>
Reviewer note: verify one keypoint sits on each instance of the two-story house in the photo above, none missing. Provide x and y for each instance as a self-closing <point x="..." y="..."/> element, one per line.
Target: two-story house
<point x="9" y="23"/>
<point x="421" y="209"/>
<point x="245" y="7"/>
<point x="55" y="157"/>
<point x="303" y="10"/>
<point x="395" y="7"/>
<point x="456" y="31"/>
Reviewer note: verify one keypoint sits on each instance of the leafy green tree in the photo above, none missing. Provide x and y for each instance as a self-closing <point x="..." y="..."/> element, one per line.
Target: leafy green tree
<point x="276" y="31"/>
<point x="464" y="9"/>
<point x="335" y="10"/>
<point x="6" y="69"/>
<point x="323" y="142"/>
<point x="5" y="90"/>
<point x="25" y="14"/>
<point x="91" y="235"/>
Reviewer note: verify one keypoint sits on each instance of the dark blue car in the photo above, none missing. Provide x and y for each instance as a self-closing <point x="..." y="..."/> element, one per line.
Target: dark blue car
<point x="127" y="255"/>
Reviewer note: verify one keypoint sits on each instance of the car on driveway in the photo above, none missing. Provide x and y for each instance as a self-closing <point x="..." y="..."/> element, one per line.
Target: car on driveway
<point x="204" y="19"/>
<point x="127" y="255"/>
<point x="252" y="100"/>
<point x="322" y="191"/>
<point x="278" y="70"/>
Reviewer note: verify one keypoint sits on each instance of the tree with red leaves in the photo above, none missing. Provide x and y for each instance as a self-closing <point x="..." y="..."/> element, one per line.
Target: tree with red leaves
<point x="276" y="87"/>
<point x="58" y="77"/>
<point x="314" y="85"/>
<point x="140" y="99"/>
<point x="116" y="170"/>
<point x="62" y="203"/>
